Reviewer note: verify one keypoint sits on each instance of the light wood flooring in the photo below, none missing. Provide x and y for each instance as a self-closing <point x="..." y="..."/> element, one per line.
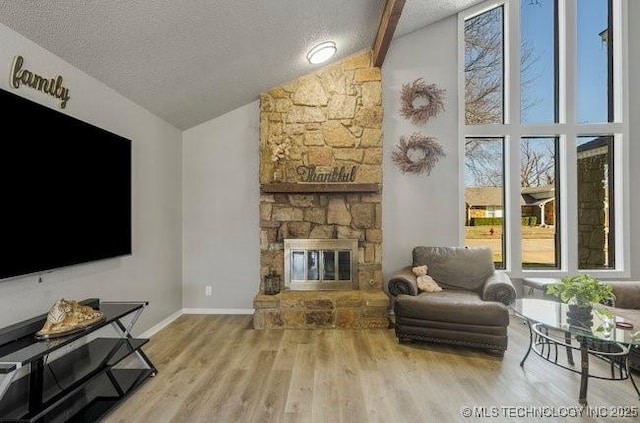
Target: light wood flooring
<point x="215" y="368"/>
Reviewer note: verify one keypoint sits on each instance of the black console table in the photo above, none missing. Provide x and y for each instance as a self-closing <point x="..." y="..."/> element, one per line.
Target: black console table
<point x="78" y="377"/>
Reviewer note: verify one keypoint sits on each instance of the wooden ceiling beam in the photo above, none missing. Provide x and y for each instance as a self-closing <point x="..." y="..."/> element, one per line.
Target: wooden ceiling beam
<point x="388" y="23"/>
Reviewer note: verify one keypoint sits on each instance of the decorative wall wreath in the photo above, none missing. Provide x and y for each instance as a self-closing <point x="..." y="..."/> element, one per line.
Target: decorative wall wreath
<point x="418" y="154"/>
<point x="418" y="89"/>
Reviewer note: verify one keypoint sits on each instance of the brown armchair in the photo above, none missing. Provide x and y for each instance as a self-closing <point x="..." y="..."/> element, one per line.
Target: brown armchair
<point x="627" y="306"/>
<point x="471" y="310"/>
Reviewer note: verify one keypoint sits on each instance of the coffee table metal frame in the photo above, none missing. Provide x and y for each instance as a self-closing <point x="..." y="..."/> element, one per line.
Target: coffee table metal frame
<point x="546" y="340"/>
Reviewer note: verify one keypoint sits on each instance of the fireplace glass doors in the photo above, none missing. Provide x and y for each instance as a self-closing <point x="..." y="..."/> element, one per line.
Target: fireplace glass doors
<point x="320" y="264"/>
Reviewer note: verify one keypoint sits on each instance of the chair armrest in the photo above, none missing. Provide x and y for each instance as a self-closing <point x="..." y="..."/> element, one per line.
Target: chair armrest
<point x="627" y="294"/>
<point x="498" y="287"/>
<point x="403" y="282"/>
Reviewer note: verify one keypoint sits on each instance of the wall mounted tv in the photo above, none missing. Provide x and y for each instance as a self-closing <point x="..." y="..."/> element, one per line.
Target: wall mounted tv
<point x="65" y="190"/>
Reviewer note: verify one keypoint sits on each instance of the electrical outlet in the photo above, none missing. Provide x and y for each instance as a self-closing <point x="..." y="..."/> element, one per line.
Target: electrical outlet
<point x="207" y="290"/>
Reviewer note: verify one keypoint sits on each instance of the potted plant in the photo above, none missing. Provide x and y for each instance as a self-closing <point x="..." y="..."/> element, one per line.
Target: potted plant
<point x="580" y="292"/>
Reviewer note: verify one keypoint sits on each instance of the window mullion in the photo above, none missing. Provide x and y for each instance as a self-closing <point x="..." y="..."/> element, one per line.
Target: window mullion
<point x="621" y="93"/>
<point x="561" y="31"/>
<point x="620" y="61"/>
<point x="568" y="58"/>
<point x="513" y="229"/>
<point x="512" y="188"/>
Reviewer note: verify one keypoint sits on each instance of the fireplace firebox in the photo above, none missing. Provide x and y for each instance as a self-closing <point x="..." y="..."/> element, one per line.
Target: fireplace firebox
<point x="320" y="264"/>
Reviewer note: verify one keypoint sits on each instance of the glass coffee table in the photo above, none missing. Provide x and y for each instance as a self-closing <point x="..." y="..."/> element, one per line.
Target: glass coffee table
<point x="607" y="337"/>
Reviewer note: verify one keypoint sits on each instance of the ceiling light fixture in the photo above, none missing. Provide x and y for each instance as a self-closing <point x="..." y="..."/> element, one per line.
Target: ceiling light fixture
<point x="322" y="52"/>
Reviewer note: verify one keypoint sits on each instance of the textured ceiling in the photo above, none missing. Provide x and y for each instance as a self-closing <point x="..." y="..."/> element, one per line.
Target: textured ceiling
<point x="189" y="61"/>
<point x="420" y="13"/>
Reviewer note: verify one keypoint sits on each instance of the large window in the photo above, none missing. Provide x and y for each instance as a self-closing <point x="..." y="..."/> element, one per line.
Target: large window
<point x="544" y="137"/>
<point x="596" y="245"/>
<point x="595" y="61"/>
<point x="484" y="195"/>
<point x="538" y="62"/>
<point x="540" y="202"/>
<point x="483" y="67"/>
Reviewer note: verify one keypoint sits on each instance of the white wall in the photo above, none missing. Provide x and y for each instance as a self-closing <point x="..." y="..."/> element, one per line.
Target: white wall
<point x="634" y="130"/>
<point x="420" y="209"/>
<point x="153" y="271"/>
<point x="221" y="220"/>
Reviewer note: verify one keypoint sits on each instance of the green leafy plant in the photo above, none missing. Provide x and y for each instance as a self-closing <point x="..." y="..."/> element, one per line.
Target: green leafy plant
<point x="582" y="290"/>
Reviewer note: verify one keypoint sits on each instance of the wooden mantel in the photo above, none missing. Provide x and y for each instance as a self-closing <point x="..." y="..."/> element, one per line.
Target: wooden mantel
<point x="317" y="188"/>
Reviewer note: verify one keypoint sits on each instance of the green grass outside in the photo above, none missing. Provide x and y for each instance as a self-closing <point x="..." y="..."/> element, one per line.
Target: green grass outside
<point x="528" y="232"/>
<point x="532" y="255"/>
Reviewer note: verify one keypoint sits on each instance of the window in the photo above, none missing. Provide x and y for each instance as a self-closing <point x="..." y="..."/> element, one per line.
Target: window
<point x="538" y="62"/>
<point x="539" y="202"/>
<point x="483" y="67"/>
<point x="484" y="195"/>
<point x="595" y="199"/>
<point x="544" y="138"/>
<point x="595" y="61"/>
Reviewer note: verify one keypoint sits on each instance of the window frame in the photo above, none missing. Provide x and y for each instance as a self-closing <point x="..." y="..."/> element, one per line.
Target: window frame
<point x="567" y="130"/>
<point x="557" y="245"/>
<point x="502" y="264"/>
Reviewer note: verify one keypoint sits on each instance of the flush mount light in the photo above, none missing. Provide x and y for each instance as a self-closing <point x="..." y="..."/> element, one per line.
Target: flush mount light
<point x="322" y="52"/>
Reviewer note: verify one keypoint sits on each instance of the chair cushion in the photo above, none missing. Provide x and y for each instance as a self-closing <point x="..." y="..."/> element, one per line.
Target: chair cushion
<point x="456" y="267"/>
<point x="452" y="306"/>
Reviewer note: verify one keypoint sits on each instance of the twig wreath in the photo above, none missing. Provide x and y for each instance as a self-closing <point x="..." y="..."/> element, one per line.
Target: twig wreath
<point x="433" y="95"/>
<point x="418" y="154"/>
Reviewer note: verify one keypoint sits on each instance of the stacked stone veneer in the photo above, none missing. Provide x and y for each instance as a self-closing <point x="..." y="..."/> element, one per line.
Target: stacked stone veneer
<point x="330" y="118"/>
<point x="593" y="217"/>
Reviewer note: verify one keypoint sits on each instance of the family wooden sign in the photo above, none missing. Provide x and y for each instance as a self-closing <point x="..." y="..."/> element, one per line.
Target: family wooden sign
<point x="52" y="86"/>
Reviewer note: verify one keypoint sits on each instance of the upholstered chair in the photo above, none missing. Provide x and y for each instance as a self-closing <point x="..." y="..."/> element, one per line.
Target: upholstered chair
<point x="470" y="311"/>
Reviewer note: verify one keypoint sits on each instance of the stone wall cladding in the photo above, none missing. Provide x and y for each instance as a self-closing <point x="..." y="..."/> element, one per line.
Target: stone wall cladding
<point x="332" y="118"/>
<point x="592" y="217"/>
<point x="323" y="216"/>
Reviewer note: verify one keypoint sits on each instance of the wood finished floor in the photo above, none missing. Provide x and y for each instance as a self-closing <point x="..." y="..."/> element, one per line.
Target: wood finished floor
<point x="215" y="368"/>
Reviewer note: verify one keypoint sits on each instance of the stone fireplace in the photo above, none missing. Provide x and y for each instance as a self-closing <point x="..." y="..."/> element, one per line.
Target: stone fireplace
<point x="326" y="190"/>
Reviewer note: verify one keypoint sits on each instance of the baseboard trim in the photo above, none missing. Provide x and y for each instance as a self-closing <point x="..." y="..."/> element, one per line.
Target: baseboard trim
<point x="217" y="310"/>
<point x="168" y="320"/>
<point x="161" y="325"/>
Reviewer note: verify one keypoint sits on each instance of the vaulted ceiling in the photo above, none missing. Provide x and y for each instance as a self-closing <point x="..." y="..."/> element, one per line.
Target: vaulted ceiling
<point x="188" y="61"/>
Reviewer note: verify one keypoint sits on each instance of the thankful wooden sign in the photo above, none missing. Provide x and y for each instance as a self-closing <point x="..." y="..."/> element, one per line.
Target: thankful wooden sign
<point x="52" y="86"/>
<point x="336" y="174"/>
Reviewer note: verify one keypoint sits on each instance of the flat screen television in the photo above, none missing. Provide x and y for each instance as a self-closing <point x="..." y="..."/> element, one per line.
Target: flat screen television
<point x="65" y="190"/>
